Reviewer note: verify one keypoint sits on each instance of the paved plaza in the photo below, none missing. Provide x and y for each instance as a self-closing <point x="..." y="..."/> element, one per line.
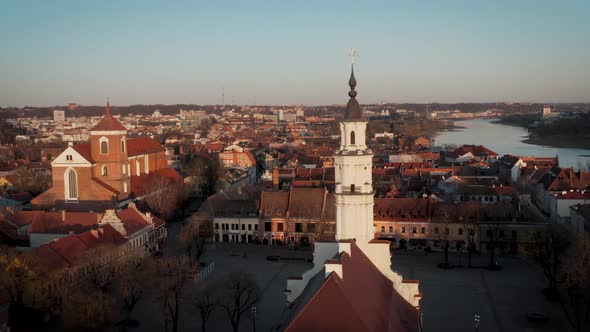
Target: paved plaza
<point x="450" y="297"/>
<point x="502" y="299"/>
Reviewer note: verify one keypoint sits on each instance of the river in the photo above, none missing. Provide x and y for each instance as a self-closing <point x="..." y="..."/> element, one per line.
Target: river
<point x="506" y="139"/>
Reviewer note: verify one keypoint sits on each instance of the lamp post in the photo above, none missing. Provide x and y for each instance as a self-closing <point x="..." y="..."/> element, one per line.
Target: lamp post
<point x="476" y="322"/>
<point x="254" y="318"/>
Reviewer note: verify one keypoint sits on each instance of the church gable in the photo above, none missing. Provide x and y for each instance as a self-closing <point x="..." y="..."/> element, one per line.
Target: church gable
<point x="70" y="157"/>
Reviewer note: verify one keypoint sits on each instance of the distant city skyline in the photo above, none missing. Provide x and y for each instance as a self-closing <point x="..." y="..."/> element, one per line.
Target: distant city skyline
<point x="289" y="52"/>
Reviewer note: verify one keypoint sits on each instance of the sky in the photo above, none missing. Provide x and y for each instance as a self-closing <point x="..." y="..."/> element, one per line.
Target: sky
<point x="293" y="52"/>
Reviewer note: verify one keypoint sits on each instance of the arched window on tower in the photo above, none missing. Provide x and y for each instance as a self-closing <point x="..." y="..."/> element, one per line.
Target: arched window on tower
<point x="122" y="145"/>
<point x="104" y="170"/>
<point x="104" y="145"/>
<point x="71" y="185"/>
<point x="352" y="138"/>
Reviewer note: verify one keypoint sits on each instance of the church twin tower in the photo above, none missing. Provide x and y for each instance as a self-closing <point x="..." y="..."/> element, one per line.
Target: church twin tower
<point x="353" y="167"/>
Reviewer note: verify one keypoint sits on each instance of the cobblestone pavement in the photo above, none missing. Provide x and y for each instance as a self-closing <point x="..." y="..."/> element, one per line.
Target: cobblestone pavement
<point x="502" y="299"/>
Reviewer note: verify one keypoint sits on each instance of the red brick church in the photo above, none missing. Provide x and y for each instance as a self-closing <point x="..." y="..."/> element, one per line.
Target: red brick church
<point x="108" y="170"/>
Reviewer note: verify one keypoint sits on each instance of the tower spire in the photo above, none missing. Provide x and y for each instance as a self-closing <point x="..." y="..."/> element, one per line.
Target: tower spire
<point x="353" y="109"/>
<point x="108" y="107"/>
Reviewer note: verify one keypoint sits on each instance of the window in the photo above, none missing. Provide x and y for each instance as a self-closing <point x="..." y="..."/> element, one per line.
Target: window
<point x="352" y="138"/>
<point x="422" y="230"/>
<point x="69" y="157"/>
<point x="104" y="170"/>
<point x="137" y="167"/>
<point x="413" y="230"/>
<point x="352" y="188"/>
<point x="104" y="145"/>
<point x="311" y="227"/>
<point x="256" y="227"/>
<point x="122" y="145"/>
<point x="124" y="187"/>
<point x="216" y="226"/>
<point x="249" y="227"/>
<point x="147" y="164"/>
<point x="71" y="185"/>
<point x="124" y="169"/>
<point x="390" y="229"/>
<point x="267" y="226"/>
<point x="435" y="230"/>
<point x="382" y="229"/>
<point x="279" y="227"/>
<point x="460" y="231"/>
<point x="446" y="230"/>
<point x="298" y="227"/>
<point x="403" y="229"/>
<point x="243" y="227"/>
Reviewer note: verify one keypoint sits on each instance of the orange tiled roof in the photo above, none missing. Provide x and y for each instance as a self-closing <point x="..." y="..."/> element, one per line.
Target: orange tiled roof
<point x="85" y="151"/>
<point x="341" y="305"/>
<point x="143" y="145"/>
<point x="108" y="123"/>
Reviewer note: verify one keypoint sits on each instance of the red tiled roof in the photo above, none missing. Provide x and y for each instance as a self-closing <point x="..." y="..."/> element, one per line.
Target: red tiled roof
<point x="402" y="209"/>
<point x="111" y="235"/>
<point x="84" y="150"/>
<point x="54" y="222"/>
<point x="108" y="123"/>
<point x="143" y="145"/>
<point x="69" y="247"/>
<point x="138" y="183"/>
<point x="132" y="220"/>
<point x="341" y="305"/>
<point x="50" y="259"/>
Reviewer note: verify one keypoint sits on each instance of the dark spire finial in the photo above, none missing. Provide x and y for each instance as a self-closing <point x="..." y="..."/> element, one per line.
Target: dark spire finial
<point x="353" y="109"/>
<point x="108" y="107"/>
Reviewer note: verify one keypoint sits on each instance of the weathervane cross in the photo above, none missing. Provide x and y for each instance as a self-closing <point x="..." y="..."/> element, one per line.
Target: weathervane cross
<point x="353" y="55"/>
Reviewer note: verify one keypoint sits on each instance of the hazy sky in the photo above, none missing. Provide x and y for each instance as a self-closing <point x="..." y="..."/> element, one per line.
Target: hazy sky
<point x="292" y="52"/>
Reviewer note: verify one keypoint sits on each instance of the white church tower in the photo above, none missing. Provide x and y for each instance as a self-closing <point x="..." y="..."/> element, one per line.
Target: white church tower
<point x="354" y="183"/>
<point x="354" y="210"/>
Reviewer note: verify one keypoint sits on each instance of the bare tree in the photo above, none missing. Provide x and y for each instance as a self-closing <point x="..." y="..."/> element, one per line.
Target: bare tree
<point x="548" y="249"/>
<point x="87" y="310"/>
<point x="192" y="237"/>
<point x="205" y="301"/>
<point x="18" y="280"/>
<point x="577" y="284"/>
<point x="170" y="275"/>
<point x="239" y="293"/>
<point x="99" y="266"/>
<point x="162" y="196"/>
<point x="132" y="281"/>
<point x="495" y="236"/>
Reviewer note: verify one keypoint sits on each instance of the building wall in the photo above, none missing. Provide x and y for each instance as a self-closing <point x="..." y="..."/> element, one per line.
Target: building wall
<point x="238" y="229"/>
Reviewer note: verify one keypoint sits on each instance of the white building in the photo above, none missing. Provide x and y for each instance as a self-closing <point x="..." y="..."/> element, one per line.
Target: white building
<point x="354" y="225"/>
<point x="59" y="116"/>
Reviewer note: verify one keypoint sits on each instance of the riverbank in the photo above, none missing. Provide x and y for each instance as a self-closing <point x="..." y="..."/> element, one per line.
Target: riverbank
<point x="516" y="140"/>
<point x="559" y="141"/>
